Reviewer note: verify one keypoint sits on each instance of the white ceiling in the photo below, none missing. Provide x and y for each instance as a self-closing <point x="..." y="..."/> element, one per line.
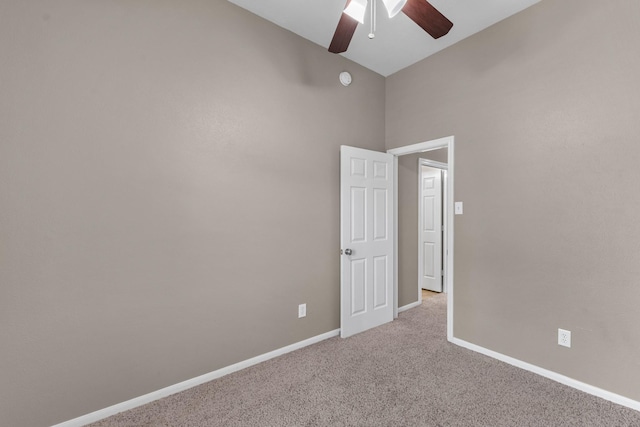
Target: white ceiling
<point x="398" y="42"/>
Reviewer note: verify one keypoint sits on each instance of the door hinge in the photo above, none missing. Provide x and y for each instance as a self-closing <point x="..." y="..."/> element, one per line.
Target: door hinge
<point x="442" y="272"/>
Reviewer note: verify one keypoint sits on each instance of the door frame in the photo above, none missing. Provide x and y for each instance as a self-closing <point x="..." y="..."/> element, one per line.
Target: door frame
<point x="444" y="198"/>
<point x="449" y="143"/>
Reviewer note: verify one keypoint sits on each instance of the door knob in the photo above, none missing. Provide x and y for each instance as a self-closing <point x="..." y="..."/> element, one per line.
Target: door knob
<point x="348" y="251"/>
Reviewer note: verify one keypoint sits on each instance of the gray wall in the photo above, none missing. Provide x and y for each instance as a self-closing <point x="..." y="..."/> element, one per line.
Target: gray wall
<point x="169" y="191"/>
<point x="544" y="107"/>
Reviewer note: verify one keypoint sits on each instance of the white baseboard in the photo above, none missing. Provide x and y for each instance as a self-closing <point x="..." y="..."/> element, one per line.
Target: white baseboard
<point x="595" y="391"/>
<point x="184" y="385"/>
<point x="408" y="306"/>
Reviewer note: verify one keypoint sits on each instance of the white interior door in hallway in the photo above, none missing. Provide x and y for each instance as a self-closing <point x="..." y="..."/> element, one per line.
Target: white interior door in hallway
<point x="431" y="229"/>
<point x="367" y="185"/>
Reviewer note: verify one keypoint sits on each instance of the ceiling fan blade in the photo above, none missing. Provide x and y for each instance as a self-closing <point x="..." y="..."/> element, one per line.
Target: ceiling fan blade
<point x="428" y="17"/>
<point x="344" y="32"/>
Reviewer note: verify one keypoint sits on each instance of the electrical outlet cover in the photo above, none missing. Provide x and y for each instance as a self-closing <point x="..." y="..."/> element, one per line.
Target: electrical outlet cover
<point x="564" y="338"/>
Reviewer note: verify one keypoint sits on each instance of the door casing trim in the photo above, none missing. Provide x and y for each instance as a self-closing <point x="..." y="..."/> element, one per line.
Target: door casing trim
<point x="447" y="142"/>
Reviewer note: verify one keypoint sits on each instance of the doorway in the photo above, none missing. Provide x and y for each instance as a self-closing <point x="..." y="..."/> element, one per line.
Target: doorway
<point x="432" y="225"/>
<point x="359" y="288"/>
<point x="449" y="144"/>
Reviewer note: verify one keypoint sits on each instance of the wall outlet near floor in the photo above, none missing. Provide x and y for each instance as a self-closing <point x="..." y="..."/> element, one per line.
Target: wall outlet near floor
<point x="302" y="310"/>
<point x="564" y="338"/>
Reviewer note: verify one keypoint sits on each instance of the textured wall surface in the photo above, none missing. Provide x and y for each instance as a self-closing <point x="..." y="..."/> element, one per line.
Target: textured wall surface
<point x="169" y="184"/>
<point x="544" y="107"/>
<point x="169" y="179"/>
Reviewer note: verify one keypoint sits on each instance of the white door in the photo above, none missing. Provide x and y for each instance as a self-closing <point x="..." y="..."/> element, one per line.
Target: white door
<point x="366" y="239"/>
<point x="430" y="249"/>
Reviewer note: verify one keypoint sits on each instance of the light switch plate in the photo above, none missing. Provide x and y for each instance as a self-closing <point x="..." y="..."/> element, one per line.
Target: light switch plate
<point x="458" y="208"/>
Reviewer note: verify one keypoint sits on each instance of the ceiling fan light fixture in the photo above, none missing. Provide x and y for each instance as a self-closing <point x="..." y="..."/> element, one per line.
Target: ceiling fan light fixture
<point x="356" y="10"/>
<point x="394" y="6"/>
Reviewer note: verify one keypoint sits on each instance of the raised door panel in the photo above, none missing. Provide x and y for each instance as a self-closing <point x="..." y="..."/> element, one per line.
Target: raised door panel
<point x="428" y="260"/>
<point x="358" y="285"/>
<point x="358" y="218"/>
<point x="380" y="213"/>
<point x="380" y="282"/>
<point x="428" y="220"/>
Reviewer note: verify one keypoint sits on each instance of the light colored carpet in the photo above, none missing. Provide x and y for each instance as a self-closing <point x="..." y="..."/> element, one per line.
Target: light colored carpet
<point x="401" y="374"/>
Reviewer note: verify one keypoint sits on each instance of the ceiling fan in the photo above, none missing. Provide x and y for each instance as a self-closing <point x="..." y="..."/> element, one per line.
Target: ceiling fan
<point x="420" y="11"/>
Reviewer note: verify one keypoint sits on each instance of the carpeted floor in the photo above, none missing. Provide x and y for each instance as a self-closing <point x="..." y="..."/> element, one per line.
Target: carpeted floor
<point x="401" y="374"/>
